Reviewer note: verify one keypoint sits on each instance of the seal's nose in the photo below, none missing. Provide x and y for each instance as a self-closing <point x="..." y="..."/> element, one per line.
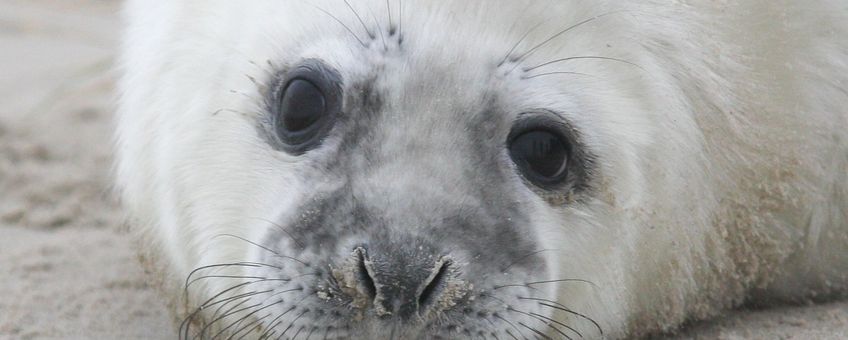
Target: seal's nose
<point x="400" y="286"/>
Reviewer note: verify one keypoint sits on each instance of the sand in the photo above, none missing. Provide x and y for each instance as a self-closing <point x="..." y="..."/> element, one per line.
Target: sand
<point x="67" y="270"/>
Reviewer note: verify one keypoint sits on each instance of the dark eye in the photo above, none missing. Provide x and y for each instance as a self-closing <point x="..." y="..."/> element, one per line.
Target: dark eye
<point x="302" y="105"/>
<point x="541" y="154"/>
<point x="305" y="107"/>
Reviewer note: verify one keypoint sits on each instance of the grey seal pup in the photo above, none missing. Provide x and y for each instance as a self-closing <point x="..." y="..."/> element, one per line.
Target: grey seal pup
<point x="519" y="169"/>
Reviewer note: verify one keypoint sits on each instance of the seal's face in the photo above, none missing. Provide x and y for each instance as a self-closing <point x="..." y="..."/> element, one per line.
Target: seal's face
<point x="417" y="217"/>
<point x="420" y="217"/>
<point x="419" y="205"/>
<point x="396" y="184"/>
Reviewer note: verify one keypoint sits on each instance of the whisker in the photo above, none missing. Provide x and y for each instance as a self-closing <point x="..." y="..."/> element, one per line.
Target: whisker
<point x="400" y="20"/>
<point x="310" y="332"/>
<point x="494" y="327"/>
<point x="535" y="331"/>
<point x="523" y="285"/>
<point x="245" y="95"/>
<point x="269" y="335"/>
<point x="274" y="325"/>
<point x="208" y="303"/>
<point x="281" y="228"/>
<point x="582" y="57"/>
<point x="291" y="324"/>
<point x="253" y="79"/>
<point x="379" y="29"/>
<point x="260" y="68"/>
<point x="298" y="332"/>
<point x="231" y="277"/>
<point x="226" y="301"/>
<point x="522" y="258"/>
<point x="343" y="25"/>
<point x="546" y="322"/>
<point x="235" y="264"/>
<point x="260" y="87"/>
<point x="246" y="326"/>
<point x="186" y="323"/>
<point x="558" y="322"/>
<point x="289" y="310"/>
<point x="556" y="305"/>
<point x="228" y="310"/>
<point x="553" y="73"/>
<point x="533" y="315"/>
<point x="262" y="247"/>
<point x="558" y="34"/>
<point x="370" y="35"/>
<point x="233" y="298"/>
<point x="389" y="11"/>
<point x="244" y="318"/>
<point x="212" y="266"/>
<point x="511" y="324"/>
<point x="263" y="301"/>
<point x="563" y="280"/>
<point x="248" y="241"/>
<point x="530" y="284"/>
<point x="493" y="298"/>
<point x="514" y="47"/>
<point x="242" y="113"/>
<point x="206" y="327"/>
<point x="255" y="328"/>
<point x="285" y="291"/>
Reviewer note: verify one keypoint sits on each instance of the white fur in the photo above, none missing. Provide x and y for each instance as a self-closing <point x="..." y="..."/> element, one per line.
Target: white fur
<point x="723" y="157"/>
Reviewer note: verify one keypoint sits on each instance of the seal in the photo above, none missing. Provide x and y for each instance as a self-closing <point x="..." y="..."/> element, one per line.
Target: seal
<point x="476" y="169"/>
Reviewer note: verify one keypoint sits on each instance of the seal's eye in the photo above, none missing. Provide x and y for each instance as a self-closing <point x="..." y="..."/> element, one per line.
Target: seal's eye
<point x="302" y="105"/>
<point x="540" y="152"/>
<point x="305" y="106"/>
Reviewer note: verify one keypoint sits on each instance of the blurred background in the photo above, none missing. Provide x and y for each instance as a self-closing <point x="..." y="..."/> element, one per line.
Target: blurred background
<point x="67" y="269"/>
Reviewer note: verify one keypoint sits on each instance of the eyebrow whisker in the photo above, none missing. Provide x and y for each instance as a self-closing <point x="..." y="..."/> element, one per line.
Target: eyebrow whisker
<point x="343" y="25"/>
<point x="557" y="35"/>
<point x="370" y="35"/>
<point x="555" y="73"/>
<point x="528" y="69"/>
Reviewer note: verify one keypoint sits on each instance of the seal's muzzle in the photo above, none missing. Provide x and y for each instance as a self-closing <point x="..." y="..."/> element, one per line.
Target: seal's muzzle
<point x="400" y="283"/>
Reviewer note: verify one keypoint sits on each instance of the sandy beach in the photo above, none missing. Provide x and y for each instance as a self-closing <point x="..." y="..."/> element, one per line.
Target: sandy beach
<point x="67" y="267"/>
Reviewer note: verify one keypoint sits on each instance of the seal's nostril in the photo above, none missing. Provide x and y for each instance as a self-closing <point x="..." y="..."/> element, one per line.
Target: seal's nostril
<point x="401" y="285"/>
<point x="434" y="284"/>
<point x="364" y="276"/>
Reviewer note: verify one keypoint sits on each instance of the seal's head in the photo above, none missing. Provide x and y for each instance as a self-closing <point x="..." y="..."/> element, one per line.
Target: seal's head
<point x="412" y="175"/>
